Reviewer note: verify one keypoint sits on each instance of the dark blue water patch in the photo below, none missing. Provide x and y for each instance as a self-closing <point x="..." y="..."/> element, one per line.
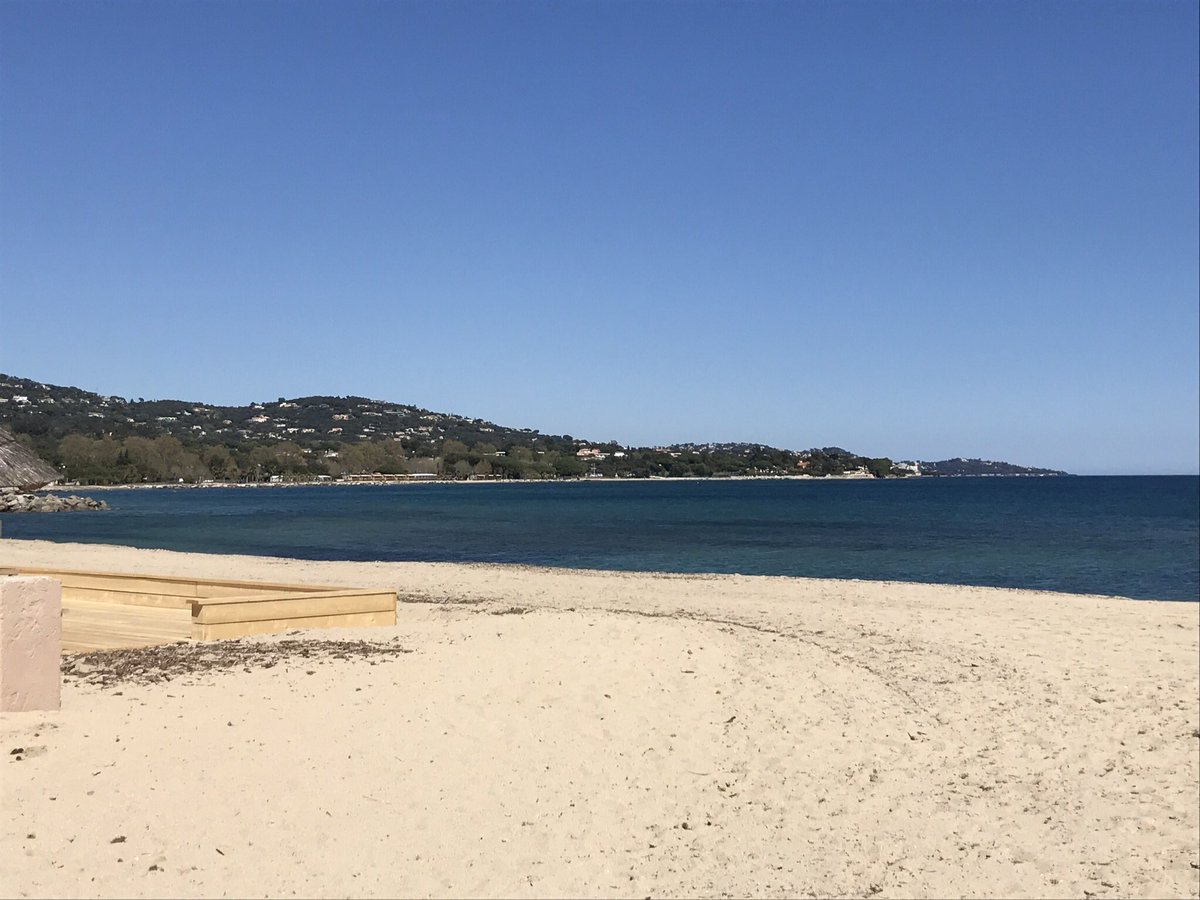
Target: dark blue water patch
<point x="1136" y="537"/>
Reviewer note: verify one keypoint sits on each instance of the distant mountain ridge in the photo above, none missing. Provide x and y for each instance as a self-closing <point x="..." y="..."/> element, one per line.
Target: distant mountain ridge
<point x="36" y="408"/>
<point x="109" y="438"/>
<point x="961" y="467"/>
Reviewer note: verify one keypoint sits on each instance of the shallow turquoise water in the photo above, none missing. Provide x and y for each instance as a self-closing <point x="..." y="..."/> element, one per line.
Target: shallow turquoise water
<point x="1137" y="537"/>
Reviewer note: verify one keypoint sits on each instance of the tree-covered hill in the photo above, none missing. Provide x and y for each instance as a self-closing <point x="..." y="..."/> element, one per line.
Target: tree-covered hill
<point x="961" y="467"/>
<point x="46" y="410"/>
<point x="101" y="439"/>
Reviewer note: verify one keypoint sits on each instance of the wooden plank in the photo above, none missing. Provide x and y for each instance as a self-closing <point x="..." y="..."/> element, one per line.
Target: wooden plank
<point x="103" y="626"/>
<point x="164" y="581"/>
<point x="127" y="598"/>
<point x="273" y="596"/>
<point x="269" y="626"/>
<point x="269" y="594"/>
<point x="283" y="607"/>
<point x="135" y="617"/>
<point x="108" y="610"/>
<point x="221" y="591"/>
<point x="129" y="583"/>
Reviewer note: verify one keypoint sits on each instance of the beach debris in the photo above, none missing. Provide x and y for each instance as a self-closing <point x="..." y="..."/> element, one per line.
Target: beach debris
<point x="119" y="839"/>
<point x="148" y="665"/>
<point x="440" y="601"/>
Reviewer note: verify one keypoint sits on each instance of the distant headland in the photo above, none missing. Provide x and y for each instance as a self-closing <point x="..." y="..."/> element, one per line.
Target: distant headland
<point x="95" y="439"/>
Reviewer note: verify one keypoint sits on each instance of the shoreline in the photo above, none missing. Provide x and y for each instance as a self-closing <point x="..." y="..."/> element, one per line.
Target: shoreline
<point x="534" y="481"/>
<point x="420" y="581"/>
<point x="407" y="482"/>
<point x="546" y="732"/>
<point x="160" y="560"/>
<point x="45" y="548"/>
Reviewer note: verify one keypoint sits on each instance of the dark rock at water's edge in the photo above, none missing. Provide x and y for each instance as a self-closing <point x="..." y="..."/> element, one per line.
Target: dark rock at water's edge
<point x="14" y="500"/>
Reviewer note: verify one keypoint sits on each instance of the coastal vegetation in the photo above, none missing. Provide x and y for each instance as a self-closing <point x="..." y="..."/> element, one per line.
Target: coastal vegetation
<point x="96" y="439"/>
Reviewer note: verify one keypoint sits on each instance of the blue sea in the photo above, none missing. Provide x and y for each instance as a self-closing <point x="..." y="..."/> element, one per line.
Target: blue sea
<point x="1130" y="536"/>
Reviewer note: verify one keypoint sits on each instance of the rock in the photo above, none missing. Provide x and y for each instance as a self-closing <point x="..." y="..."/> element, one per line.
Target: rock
<point x="13" y="500"/>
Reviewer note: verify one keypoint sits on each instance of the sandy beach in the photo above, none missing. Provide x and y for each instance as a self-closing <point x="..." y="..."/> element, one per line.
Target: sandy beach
<point x="535" y="732"/>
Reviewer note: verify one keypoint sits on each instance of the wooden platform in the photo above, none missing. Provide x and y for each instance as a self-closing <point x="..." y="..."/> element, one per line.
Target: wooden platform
<point x="92" y="625"/>
<point x="109" y="610"/>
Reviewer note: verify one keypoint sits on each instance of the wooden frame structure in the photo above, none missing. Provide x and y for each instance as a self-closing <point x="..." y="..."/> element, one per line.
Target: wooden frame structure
<point x="109" y="610"/>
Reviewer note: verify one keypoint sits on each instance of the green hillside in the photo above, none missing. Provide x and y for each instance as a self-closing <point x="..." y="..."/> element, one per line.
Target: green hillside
<point x="98" y="439"/>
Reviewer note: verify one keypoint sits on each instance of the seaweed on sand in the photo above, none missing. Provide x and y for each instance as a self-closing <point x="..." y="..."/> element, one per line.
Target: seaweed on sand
<point x="147" y="665"/>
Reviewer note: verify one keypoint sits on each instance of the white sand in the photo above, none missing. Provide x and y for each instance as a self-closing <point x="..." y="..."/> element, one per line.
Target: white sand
<point x="814" y="737"/>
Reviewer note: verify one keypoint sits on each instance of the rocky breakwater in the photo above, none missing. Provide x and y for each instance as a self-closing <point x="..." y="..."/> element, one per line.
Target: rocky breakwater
<point x="14" y="500"/>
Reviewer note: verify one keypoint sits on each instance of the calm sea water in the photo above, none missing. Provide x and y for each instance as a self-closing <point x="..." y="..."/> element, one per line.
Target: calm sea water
<point x="1137" y="537"/>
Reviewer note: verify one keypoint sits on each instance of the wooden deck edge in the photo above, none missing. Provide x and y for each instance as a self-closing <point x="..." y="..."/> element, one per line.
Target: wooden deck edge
<point x="227" y="630"/>
<point x="275" y="596"/>
<point x="182" y="581"/>
<point x="258" y="609"/>
<point x="113" y="610"/>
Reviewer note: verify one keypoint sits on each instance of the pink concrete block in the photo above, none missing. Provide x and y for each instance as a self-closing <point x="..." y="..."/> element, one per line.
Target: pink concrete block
<point x="30" y="643"/>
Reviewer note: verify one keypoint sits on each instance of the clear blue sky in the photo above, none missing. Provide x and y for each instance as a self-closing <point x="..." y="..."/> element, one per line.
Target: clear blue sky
<point x="909" y="229"/>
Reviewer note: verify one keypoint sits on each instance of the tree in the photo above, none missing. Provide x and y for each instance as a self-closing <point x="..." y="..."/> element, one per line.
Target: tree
<point x="507" y="468"/>
<point x="77" y="456"/>
<point x="290" y="458"/>
<point x="880" y="467"/>
<point x="520" y="453"/>
<point x="177" y="462"/>
<point x="362" y="458"/>
<point x="143" y="460"/>
<point x="453" y="451"/>
<point x="220" y="463"/>
<point x="569" y="467"/>
<point x="263" y="462"/>
<point x="392" y="458"/>
<point x="90" y="460"/>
